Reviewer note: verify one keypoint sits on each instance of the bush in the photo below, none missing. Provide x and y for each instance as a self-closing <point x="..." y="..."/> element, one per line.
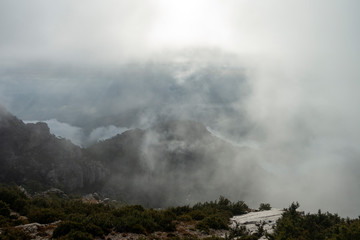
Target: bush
<point x="4" y="209"/>
<point x="76" y="217"/>
<point x="197" y="215"/>
<point x="239" y="208"/>
<point x="9" y="195"/>
<point x="349" y="231"/>
<point x="78" y="235"/>
<point x="213" y="238"/>
<point x="103" y="220"/>
<point x="94" y="230"/>
<point x="320" y="226"/>
<point x="66" y="227"/>
<point x="214" y="222"/>
<point x="223" y="205"/>
<point x="14" y="234"/>
<point x="185" y="218"/>
<point x="139" y="220"/>
<point x="164" y="219"/>
<point x="130" y="224"/>
<point x="21" y="206"/>
<point x="180" y="210"/>
<point x="44" y="215"/>
<point x="264" y="206"/>
<point x="41" y="202"/>
<point x="128" y="210"/>
<point x="4" y="221"/>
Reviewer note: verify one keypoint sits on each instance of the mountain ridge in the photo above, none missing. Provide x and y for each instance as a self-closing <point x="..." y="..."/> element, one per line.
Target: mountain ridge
<point x="168" y="163"/>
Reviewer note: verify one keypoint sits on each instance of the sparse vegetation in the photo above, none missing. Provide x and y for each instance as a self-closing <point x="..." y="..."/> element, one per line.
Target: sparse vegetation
<point x="82" y="220"/>
<point x="320" y="226"/>
<point x="86" y="221"/>
<point x="11" y="233"/>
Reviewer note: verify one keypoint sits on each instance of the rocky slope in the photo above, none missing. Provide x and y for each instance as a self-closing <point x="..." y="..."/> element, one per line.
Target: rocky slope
<point x="174" y="162"/>
<point x="253" y="220"/>
<point x="30" y="154"/>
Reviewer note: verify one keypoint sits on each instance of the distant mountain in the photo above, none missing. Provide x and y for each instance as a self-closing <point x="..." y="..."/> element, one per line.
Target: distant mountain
<point x="29" y="153"/>
<point x="173" y="162"/>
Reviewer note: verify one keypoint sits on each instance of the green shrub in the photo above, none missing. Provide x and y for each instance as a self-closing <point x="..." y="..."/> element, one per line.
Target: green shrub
<point x="41" y="202"/>
<point x="94" y="230"/>
<point x="21" y="206"/>
<point x="190" y="237"/>
<point x="33" y="186"/>
<point x="264" y="206"/>
<point x="137" y="219"/>
<point x="237" y="231"/>
<point x="349" y="231"/>
<point x="104" y="220"/>
<point x="137" y="228"/>
<point x="180" y="210"/>
<point x="214" y="222"/>
<point x="4" y="221"/>
<point x="197" y="214"/>
<point x="223" y="205"/>
<point x="4" y="209"/>
<point x="185" y="218"/>
<point x="224" y="201"/>
<point x="135" y="224"/>
<point x="77" y="235"/>
<point x="66" y="227"/>
<point x="239" y="208"/>
<point x="43" y="215"/>
<point x="14" y="234"/>
<point x="76" y="217"/>
<point x="213" y="238"/>
<point x="320" y="226"/>
<point x="164" y="219"/>
<point x="128" y="210"/>
<point x="77" y="206"/>
<point x="9" y="195"/>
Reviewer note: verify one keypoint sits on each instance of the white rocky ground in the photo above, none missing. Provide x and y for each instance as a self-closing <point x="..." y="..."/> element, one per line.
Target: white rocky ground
<point x="254" y="219"/>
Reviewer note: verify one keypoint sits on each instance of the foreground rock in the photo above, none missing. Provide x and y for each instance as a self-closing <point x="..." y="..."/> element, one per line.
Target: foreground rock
<point x="253" y="220"/>
<point x="39" y="231"/>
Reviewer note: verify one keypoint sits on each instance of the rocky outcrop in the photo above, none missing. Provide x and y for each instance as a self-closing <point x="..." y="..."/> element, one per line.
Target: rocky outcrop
<point x="28" y="152"/>
<point x="39" y="231"/>
<point x="253" y="220"/>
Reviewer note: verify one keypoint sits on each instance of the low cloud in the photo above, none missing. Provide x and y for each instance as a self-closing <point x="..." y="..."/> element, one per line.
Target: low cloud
<point x="64" y="130"/>
<point x="102" y="133"/>
<point x="77" y="135"/>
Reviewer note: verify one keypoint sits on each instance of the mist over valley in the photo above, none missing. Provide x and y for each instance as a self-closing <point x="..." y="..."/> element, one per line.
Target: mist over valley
<point x="166" y="103"/>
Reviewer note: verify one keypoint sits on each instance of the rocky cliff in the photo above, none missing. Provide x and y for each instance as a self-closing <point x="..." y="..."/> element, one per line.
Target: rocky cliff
<point x="29" y="153"/>
<point x="173" y="162"/>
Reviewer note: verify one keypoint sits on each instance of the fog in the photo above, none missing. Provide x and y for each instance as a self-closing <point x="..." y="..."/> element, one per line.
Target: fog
<point x="279" y="76"/>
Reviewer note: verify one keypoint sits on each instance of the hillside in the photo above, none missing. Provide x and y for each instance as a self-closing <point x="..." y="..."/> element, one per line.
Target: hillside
<point x="58" y="216"/>
<point x="30" y="154"/>
<point x="171" y="163"/>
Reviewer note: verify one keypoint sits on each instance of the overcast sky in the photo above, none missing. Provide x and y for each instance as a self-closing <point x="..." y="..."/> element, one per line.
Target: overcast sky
<point x="280" y="74"/>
